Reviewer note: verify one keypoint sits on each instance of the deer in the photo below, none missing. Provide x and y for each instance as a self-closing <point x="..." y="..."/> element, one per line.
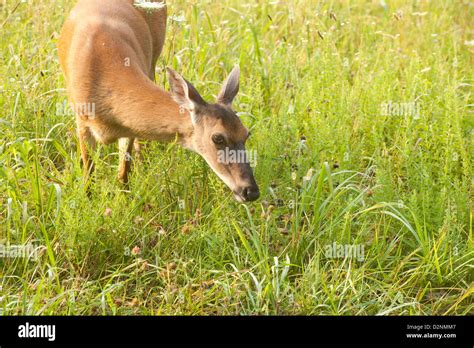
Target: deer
<point x="108" y="51"/>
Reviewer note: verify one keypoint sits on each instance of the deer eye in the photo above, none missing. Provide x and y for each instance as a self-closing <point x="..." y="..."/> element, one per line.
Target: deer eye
<point x="218" y="139"/>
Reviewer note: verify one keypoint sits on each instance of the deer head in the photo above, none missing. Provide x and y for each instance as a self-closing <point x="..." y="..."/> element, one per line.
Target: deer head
<point x="218" y="133"/>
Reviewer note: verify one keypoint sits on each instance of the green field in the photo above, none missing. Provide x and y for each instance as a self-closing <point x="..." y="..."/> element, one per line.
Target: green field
<point x="361" y="116"/>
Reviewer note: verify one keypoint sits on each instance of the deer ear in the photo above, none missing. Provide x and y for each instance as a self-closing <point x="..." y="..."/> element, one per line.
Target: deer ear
<point x="230" y="88"/>
<point x="184" y="93"/>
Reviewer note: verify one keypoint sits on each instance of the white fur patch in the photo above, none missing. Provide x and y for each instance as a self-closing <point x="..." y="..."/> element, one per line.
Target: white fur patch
<point x="149" y="6"/>
<point x="95" y="134"/>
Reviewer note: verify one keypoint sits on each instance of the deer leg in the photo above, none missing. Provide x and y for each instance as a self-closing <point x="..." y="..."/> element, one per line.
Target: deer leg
<point x="87" y="143"/>
<point x="138" y="149"/>
<point x="125" y="158"/>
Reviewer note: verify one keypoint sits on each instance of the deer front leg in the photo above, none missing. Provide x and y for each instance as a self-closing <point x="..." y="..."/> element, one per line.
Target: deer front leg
<point x="87" y="143"/>
<point x="125" y="158"/>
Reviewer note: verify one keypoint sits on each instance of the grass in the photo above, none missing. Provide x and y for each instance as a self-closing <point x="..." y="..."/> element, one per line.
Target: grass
<point x="332" y="167"/>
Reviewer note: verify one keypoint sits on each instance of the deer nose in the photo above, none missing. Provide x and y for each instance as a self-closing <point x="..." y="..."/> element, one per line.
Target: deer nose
<point x="250" y="193"/>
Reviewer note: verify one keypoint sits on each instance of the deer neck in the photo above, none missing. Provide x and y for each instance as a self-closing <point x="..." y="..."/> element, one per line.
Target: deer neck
<point x="150" y="113"/>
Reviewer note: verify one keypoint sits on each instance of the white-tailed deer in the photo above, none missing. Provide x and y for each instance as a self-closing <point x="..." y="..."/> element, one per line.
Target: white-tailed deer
<point x="108" y="51"/>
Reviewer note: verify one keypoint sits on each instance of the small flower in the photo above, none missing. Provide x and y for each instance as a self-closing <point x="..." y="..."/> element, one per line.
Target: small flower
<point x="133" y="303"/>
<point x="145" y="266"/>
<point x="138" y="220"/>
<point x="197" y="214"/>
<point x="309" y="175"/>
<point x="136" y="250"/>
<point x="186" y="229"/>
<point x="108" y="212"/>
<point x="147" y="207"/>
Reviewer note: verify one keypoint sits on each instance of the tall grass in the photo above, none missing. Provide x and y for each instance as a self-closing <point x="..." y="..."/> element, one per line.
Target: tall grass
<point x="331" y="166"/>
